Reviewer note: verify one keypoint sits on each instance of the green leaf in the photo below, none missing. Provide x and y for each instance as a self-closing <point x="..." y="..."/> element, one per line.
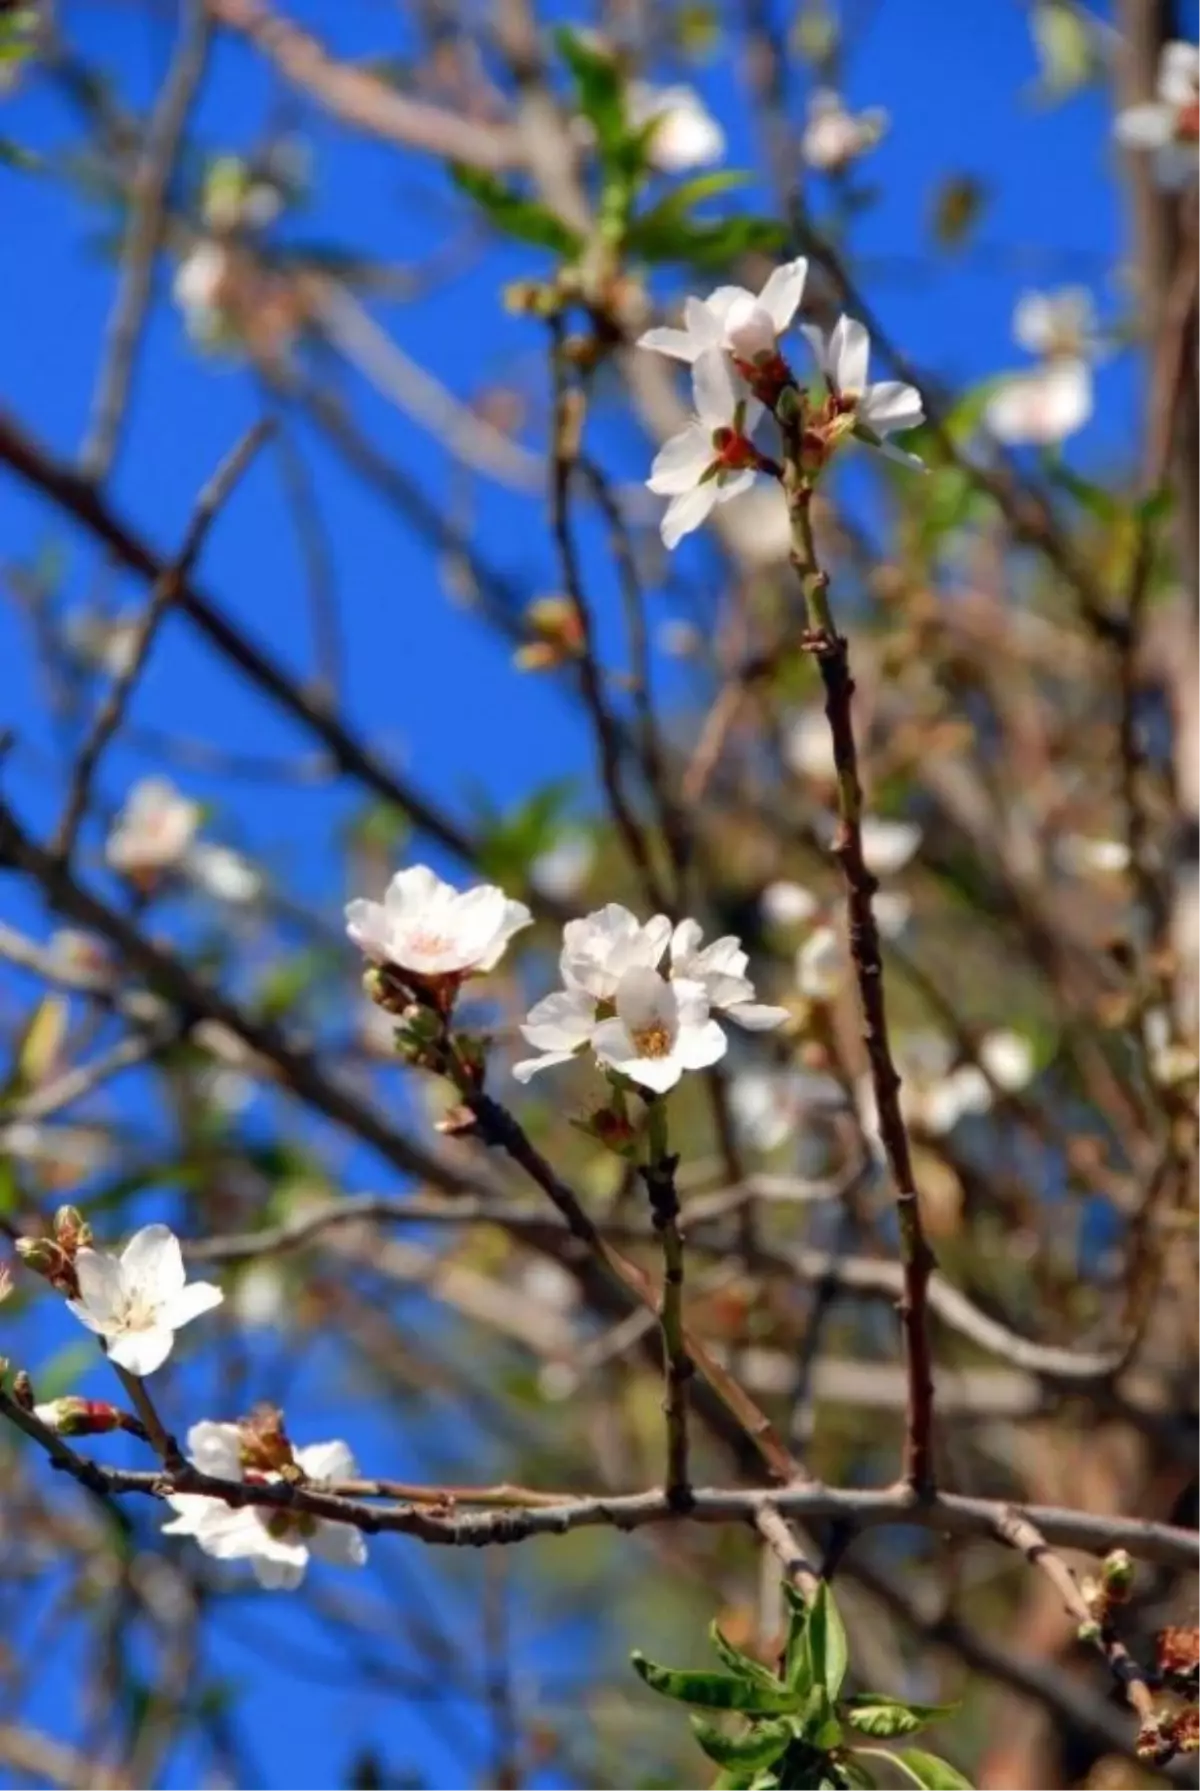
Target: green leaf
<point x="797" y="1667"/>
<point x="673" y="209"/>
<point x="874" y="1714"/>
<point x="712" y="1691"/>
<point x="760" y="1747"/>
<point x="704" y="245"/>
<point x="856" y="1774"/>
<point x="819" y="1725"/>
<point x="825" y="1641"/>
<point x="516" y="215"/>
<point x="921" y="1769"/>
<point x="1093" y="498"/>
<point x="600" y="89"/>
<point x="740" y="1663"/>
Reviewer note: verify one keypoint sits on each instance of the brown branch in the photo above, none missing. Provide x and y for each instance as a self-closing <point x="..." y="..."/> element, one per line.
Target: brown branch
<point x="167" y="589"/>
<point x="362" y="100"/>
<point x="659" y="1177"/>
<point x="832" y="653"/>
<point x="143" y="235"/>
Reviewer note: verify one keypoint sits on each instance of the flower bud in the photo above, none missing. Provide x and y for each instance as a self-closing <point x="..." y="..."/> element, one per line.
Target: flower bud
<point x="42" y="1255"/>
<point x="1116" y="1574"/>
<point x="1089" y="1631"/>
<point x="71" y="1229"/>
<point x="73" y="1417"/>
<point x="266" y="1447"/>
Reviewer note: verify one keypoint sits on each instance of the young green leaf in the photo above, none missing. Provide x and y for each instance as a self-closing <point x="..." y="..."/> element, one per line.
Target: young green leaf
<point x="825" y="1641"/>
<point x="797" y="1667"/>
<point x="740" y="1663"/>
<point x="921" y="1769"/>
<point x="760" y="1747"/>
<point x="600" y="89"/>
<point x="516" y="215"/>
<point x="873" y="1714"/>
<point x="712" y="1691"/>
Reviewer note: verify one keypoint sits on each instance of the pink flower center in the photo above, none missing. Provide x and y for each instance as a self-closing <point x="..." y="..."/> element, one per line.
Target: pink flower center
<point x="733" y="452"/>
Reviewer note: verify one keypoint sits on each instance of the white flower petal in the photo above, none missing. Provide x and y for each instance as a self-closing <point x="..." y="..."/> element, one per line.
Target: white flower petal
<point x="529" y="1067"/>
<point x="1008" y="1059"/>
<point x="1150" y="125"/>
<point x="276" y="1574"/>
<point x="757" y="1016"/>
<point x="560" y="1022"/>
<point x="152" y="1263"/>
<point x="682" y="462"/>
<point x="891" y="405"/>
<point x="644" y="998"/>
<point x="142" y="1351"/>
<point x="700" y="1046"/>
<point x="657" y="1073"/>
<point x="339" y="1544"/>
<point x="786" y="904"/>
<point x="101" y="1288"/>
<point x="327" y="1461"/>
<point x="888" y="845"/>
<point x="783" y="292"/>
<point x="686" y="513"/>
<point x="216" y="1449"/>
<point x="848" y="355"/>
<point x="713" y="390"/>
<point x="680" y="345"/>
<point x="197" y="1297"/>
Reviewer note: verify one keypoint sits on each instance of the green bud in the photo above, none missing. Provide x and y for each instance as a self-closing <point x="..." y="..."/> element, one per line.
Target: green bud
<point x="1089" y="1631"/>
<point x="1116" y="1573"/>
<point x="42" y="1255"/>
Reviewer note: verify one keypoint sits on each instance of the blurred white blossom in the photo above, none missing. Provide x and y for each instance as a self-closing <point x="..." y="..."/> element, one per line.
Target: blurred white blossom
<point x="769" y="1106"/>
<point x="686" y="135"/>
<point x="834" y="137"/>
<point x="223" y="873"/>
<point x="1168" y="125"/>
<point x="154" y="831"/>
<point x="562" y="870"/>
<point x="787" y="904"/>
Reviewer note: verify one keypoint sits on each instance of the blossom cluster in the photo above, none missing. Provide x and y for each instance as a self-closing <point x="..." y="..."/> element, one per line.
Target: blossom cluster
<point x="731" y="341"/>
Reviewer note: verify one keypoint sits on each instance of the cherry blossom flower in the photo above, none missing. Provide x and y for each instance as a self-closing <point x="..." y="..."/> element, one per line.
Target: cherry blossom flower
<point x="660" y="1029"/>
<point x="1042" y="407"/>
<point x="597" y="952"/>
<point x="1168" y="125"/>
<point x="733" y="319"/>
<point x="153" y="831"/>
<point x="686" y="135"/>
<point x="786" y="904"/>
<point x="808" y="745"/>
<point x="137" y="1301"/>
<point x="769" y="1106"/>
<point x="834" y="137"/>
<point x="278" y="1544"/>
<point x="713" y="457"/>
<point x="198" y="289"/>
<point x="871" y="412"/>
<point x="431" y="929"/>
<point x="888" y="845"/>
<point x="563" y="868"/>
<point x="222" y="873"/>
<point x="720" y="971"/>
<point x="821" y="964"/>
<point x="1058" y="325"/>
<point x="936" y="1093"/>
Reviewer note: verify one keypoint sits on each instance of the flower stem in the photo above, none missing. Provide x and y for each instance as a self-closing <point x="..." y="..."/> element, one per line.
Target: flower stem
<point x="832" y="653"/>
<point x="659" y="1176"/>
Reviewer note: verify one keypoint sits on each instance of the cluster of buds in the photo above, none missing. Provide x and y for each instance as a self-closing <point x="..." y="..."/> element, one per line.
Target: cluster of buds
<point x="1167" y="1733"/>
<point x="53" y="1257"/>
<point x="1102" y="1594"/>
<point x="1179" y="1658"/>
<point x="266" y="1448"/>
<point x="611" y="1126"/>
<point x="556" y="634"/>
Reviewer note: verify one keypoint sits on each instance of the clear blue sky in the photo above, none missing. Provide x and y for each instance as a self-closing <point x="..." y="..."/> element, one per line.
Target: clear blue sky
<point x="955" y="78"/>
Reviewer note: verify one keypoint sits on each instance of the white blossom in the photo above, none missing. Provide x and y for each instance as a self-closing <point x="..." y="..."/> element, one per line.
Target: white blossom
<point x="888" y="845"/>
<point x="733" y="319"/>
<point x="770" y="1105"/>
<point x="936" y="1092"/>
<point x="1041" y="407"/>
<point x="892" y="910"/>
<point x="713" y="457"/>
<point x="597" y="952"/>
<point x="563" y="868"/>
<point x="66" y="1152"/>
<point x="808" y="745"/>
<point x="720" y="971"/>
<point x="686" y="135"/>
<point x="878" y="410"/>
<point x="431" y="929"/>
<point x="154" y="830"/>
<point x="834" y="137"/>
<point x="1169" y="124"/>
<point x="104" y="643"/>
<point x="660" y="1029"/>
<point x="222" y="873"/>
<point x="821" y="964"/>
<point x="1058" y="325"/>
<point x="197" y="289"/>
<point x="1171" y="1060"/>
<point x="137" y="1301"/>
<point x="787" y="904"/>
<point x="278" y="1544"/>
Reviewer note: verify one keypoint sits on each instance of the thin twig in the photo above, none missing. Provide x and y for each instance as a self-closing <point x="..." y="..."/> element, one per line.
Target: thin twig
<point x="659" y="1177"/>
<point x="832" y="653"/>
<point x="161" y="1440"/>
<point x="168" y="587"/>
<point x="143" y="234"/>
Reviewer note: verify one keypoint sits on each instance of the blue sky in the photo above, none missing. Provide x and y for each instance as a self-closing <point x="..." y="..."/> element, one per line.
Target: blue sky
<point x="425" y="680"/>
